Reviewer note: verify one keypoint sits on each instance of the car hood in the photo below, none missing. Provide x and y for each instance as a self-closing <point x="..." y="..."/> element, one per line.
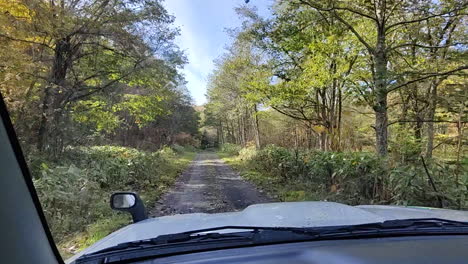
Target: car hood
<point x="286" y="214"/>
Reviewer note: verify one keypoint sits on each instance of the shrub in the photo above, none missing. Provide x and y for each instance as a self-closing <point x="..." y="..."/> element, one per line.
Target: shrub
<point x="178" y="148"/>
<point x="190" y="148"/>
<point x="410" y="185"/>
<point x="231" y="149"/>
<point x="247" y="153"/>
<point x="75" y="191"/>
<point x="403" y="145"/>
<point x="167" y="152"/>
<point x="354" y="177"/>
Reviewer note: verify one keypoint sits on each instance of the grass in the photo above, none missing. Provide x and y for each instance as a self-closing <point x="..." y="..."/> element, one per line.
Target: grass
<point x="280" y="191"/>
<point x="79" y="241"/>
<point x="76" y="242"/>
<point x="355" y="179"/>
<point x="260" y="180"/>
<point x="291" y="192"/>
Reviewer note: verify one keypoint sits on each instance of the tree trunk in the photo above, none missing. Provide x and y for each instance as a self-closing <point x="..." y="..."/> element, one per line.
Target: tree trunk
<point x="41" y="138"/>
<point x="220" y="134"/>
<point x="381" y="123"/>
<point x="231" y="132"/>
<point x="256" y="129"/>
<point x="417" y="113"/>
<point x="53" y="97"/>
<point x="309" y="136"/>
<point x="380" y="106"/>
<point x="418" y="127"/>
<point x="244" y="119"/>
<point x="323" y="141"/>
<point x="240" y="140"/>
<point x="431" y="115"/>
<point x="459" y="151"/>
<point x="340" y="112"/>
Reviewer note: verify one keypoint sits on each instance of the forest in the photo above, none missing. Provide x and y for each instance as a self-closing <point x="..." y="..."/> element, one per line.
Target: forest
<point x="352" y="101"/>
<point x="359" y="102"/>
<point x="95" y="93"/>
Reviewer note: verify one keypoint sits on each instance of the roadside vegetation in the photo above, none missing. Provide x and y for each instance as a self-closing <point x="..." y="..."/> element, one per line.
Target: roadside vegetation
<point x="348" y="177"/>
<point x="75" y="190"/>
<point x="361" y="102"/>
<point x="99" y="105"/>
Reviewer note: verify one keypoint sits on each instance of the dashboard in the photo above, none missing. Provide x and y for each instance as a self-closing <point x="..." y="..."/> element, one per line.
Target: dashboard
<point x="415" y="250"/>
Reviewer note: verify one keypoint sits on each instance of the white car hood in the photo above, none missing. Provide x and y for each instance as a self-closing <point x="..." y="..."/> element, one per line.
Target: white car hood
<point x="291" y="214"/>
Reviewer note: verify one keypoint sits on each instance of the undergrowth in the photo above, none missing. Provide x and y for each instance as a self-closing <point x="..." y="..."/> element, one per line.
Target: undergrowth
<point x="352" y="177"/>
<point x="75" y="190"/>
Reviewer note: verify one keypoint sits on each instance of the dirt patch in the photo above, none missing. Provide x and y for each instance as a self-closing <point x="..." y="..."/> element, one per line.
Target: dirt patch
<point x="208" y="186"/>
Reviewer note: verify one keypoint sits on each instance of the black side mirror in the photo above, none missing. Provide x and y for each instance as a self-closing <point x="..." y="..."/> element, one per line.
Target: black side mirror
<point x="129" y="202"/>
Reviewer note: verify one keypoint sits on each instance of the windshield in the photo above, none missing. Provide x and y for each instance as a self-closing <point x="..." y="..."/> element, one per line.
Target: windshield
<point x="213" y="106"/>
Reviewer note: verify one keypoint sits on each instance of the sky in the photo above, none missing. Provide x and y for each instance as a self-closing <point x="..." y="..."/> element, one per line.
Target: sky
<point x="202" y="25"/>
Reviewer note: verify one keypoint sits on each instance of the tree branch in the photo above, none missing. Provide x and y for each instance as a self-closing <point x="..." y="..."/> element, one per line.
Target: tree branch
<point x="358" y="36"/>
<point x="289" y="115"/>
<point x="25" y="41"/>
<point x="101" y="88"/>
<point x="425" y="121"/>
<point x="426" y="46"/>
<point x="464" y="67"/>
<point x="426" y="17"/>
<point x="315" y="6"/>
<point x="349" y="26"/>
<point x="392" y="9"/>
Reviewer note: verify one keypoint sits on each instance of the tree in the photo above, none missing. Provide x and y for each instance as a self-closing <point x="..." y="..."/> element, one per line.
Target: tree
<point x="311" y="57"/>
<point x="232" y="107"/>
<point x="90" y="48"/>
<point x="377" y="25"/>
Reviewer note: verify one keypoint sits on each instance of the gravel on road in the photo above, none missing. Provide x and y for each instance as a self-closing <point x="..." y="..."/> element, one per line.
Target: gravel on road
<point x="208" y="186"/>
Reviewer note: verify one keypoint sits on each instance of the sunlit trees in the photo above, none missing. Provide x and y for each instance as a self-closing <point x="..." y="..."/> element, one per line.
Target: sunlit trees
<point x="232" y="90"/>
<point x="379" y="26"/>
<point x="104" y="64"/>
<point x="389" y="56"/>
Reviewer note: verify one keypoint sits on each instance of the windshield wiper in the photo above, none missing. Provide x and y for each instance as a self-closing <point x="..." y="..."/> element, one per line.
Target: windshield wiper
<point x="422" y="226"/>
<point x="208" y="239"/>
<point x="197" y="236"/>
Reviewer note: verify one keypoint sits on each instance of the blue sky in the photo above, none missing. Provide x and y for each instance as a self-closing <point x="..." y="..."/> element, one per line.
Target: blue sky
<point x="202" y="24"/>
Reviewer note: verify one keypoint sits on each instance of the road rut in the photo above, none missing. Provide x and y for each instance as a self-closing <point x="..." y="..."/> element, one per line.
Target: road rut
<point x="208" y="186"/>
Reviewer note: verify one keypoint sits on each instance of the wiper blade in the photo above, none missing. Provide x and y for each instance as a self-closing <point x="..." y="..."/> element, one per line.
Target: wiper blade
<point x="207" y="239"/>
<point x="422" y="226"/>
<point x="318" y="232"/>
<point x="194" y="236"/>
<point x="252" y="228"/>
<point x="410" y="223"/>
<point x="423" y="222"/>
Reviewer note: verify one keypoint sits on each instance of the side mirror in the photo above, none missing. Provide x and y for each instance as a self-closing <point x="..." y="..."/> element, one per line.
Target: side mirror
<point x="129" y="202"/>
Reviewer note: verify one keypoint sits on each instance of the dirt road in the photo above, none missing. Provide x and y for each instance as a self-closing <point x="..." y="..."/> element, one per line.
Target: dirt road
<point x="208" y="186"/>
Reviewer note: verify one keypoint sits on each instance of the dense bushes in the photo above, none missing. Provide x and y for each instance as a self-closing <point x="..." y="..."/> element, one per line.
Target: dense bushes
<point x="353" y="177"/>
<point x="74" y="192"/>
